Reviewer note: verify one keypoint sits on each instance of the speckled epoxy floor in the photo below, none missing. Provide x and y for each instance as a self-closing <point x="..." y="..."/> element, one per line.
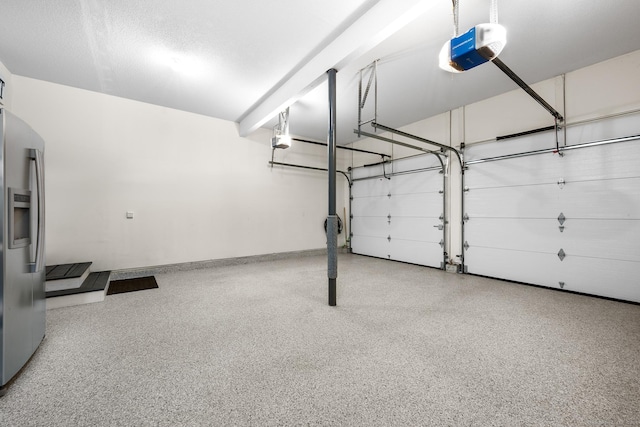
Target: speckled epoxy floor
<point x="256" y="344"/>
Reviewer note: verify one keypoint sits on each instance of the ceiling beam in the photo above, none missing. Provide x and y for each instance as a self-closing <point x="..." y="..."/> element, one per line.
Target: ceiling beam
<point x="377" y="24"/>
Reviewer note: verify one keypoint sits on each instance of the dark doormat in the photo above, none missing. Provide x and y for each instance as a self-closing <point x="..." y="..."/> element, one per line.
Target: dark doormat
<point x="132" y="285"/>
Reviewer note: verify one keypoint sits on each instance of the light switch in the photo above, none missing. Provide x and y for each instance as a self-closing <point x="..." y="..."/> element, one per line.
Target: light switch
<point x="129" y="215"/>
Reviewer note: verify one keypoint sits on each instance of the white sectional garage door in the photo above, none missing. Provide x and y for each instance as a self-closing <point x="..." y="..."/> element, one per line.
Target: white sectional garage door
<point x="570" y="222"/>
<point x="399" y="217"/>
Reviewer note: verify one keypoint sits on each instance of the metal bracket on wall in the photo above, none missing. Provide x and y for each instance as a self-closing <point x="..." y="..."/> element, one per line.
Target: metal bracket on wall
<point x="561" y="285"/>
<point x="372" y="71"/>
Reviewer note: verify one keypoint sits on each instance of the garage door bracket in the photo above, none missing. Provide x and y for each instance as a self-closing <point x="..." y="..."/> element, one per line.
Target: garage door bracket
<point x="561" y="218"/>
<point x="562" y="255"/>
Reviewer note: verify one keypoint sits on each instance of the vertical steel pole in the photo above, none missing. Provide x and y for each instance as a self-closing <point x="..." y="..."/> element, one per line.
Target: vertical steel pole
<point x="332" y="219"/>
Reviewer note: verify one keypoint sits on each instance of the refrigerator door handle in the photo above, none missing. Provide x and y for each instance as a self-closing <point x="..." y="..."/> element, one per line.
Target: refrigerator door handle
<point x="38" y="156"/>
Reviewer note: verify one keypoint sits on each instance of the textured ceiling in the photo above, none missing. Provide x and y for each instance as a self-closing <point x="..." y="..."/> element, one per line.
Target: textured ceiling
<point x="233" y="60"/>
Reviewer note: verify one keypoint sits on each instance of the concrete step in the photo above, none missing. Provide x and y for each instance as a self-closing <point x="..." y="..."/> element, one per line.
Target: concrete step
<point x="66" y="276"/>
<point x="93" y="289"/>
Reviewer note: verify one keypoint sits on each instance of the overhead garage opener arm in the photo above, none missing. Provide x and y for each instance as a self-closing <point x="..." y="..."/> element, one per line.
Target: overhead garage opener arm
<point x="513" y="76"/>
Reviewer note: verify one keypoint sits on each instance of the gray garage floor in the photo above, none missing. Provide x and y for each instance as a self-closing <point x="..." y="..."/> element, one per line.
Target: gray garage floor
<point x="257" y="345"/>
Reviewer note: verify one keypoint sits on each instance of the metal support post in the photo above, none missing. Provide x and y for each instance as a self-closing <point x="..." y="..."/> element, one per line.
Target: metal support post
<point x="332" y="219"/>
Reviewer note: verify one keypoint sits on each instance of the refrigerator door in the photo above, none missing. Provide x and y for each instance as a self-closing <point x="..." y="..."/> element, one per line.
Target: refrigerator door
<point x="22" y="294"/>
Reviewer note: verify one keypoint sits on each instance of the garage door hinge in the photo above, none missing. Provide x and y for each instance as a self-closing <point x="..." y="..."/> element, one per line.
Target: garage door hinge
<point x="389" y="238"/>
<point x="442" y="243"/>
<point x="561" y="218"/>
<point x="465" y="218"/>
<point x="561" y="183"/>
<point x="466" y="189"/>
<point x="389" y="195"/>
<point x="562" y="255"/>
<point x="466" y="245"/>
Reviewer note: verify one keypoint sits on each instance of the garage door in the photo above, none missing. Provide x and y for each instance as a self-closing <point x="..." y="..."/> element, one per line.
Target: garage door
<point x="397" y="213"/>
<point x="570" y="222"/>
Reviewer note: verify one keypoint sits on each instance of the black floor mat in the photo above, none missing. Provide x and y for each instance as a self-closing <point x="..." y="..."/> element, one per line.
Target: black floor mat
<point x="132" y="285"/>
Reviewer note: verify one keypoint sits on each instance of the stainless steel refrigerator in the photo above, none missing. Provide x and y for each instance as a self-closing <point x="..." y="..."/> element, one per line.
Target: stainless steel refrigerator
<point x="22" y="270"/>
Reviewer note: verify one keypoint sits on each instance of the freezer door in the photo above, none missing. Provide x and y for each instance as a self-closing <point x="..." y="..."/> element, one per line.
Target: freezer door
<point x="22" y="294"/>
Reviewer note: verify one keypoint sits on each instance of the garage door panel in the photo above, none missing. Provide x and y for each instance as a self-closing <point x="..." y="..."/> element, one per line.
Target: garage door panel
<point x="522" y="266"/>
<point x="606" y="199"/>
<point x="540" y="201"/>
<point x="536" y="235"/>
<point x="371" y="246"/>
<point x="370" y="226"/>
<point x="370" y="188"/>
<point x="420" y="229"/>
<point x="616" y="127"/>
<point x="606" y="277"/>
<point x="367" y="172"/>
<point x="596" y="239"/>
<point x="422" y="205"/>
<point x="415" y="252"/>
<point x="590" y="163"/>
<point x="370" y="206"/>
<point x="606" y="239"/>
<point x="419" y="182"/>
<point x="544" y="168"/>
<point x="612" y="161"/>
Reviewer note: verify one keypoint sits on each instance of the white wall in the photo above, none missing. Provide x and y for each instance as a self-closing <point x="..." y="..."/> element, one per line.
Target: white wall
<point x="198" y="191"/>
<point x="603" y="89"/>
